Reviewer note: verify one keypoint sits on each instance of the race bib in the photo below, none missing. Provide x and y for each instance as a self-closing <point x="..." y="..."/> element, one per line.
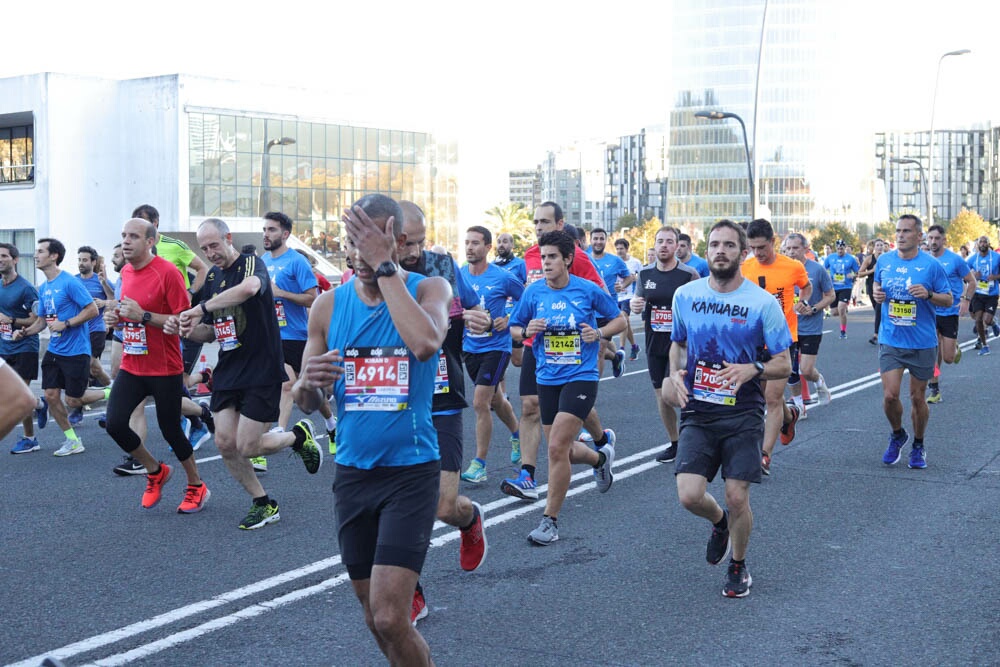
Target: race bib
<point x="376" y="379"/>
<point x="6" y="331"/>
<point x="562" y="347"/>
<point x="839" y="278"/>
<point x="508" y="306"/>
<point x="709" y="387"/>
<point x="134" y="338"/>
<point x="903" y="313"/>
<point x="661" y="320"/>
<point x="279" y="310"/>
<point x="50" y="320"/>
<point x="225" y="333"/>
<point x="982" y="287"/>
<point x="441" y="385"/>
<point x="534" y="275"/>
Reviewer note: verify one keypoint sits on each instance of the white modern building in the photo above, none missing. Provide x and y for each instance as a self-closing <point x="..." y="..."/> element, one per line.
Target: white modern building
<point x="78" y="154"/>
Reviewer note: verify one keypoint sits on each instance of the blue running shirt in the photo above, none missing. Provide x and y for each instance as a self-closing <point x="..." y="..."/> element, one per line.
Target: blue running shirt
<point x="956" y="269"/>
<point x="842" y="270"/>
<point x="17" y="301"/>
<point x="96" y="290"/>
<point x="812" y="325"/>
<point x="611" y="267"/>
<point x="61" y="298"/>
<point x="290" y="272"/>
<point x="384" y="397"/>
<point x="909" y="322"/>
<point x="733" y="327"/>
<point x="985" y="267"/>
<point x="698" y="264"/>
<point x="494" y="287"/>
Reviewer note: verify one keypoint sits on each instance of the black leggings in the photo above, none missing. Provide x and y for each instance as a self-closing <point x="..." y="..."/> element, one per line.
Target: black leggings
<point x="870" y="287"/>
<point x="128" y="391"/>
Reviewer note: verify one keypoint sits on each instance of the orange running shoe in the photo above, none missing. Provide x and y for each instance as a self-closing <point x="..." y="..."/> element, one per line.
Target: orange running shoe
<point x="195" y="498"/>
<point x="154" y="486"/>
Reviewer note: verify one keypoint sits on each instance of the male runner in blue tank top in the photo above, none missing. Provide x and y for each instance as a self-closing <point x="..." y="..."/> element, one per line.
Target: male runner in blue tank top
<point x="381" y="358"/>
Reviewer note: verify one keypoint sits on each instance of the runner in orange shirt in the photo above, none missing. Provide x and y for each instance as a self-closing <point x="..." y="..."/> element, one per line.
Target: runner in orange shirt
<point x="779" y="275"/>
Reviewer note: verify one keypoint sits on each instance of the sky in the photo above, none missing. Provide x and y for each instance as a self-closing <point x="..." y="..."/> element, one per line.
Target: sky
<point x="508" y="80"/>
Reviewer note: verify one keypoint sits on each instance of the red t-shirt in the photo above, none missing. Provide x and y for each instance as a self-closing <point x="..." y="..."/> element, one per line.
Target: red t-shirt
<point x="346" y="275"/>
<point x="321" y="281"/>
<point x="158" y="288"/>
<point x="581" y="267"/>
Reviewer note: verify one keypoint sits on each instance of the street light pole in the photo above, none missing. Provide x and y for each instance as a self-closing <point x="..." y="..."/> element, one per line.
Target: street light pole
<point x="930" y="156"/>
<point x="264" y="199"/>
<point x="721" y="115"/>
<point x="923" y="175"/>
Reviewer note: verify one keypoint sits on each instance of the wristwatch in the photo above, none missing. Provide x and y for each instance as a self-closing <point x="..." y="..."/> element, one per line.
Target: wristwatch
<point x="760" y="367"/>
<point x="146" y="316"/>
<point x="386" y="269"/>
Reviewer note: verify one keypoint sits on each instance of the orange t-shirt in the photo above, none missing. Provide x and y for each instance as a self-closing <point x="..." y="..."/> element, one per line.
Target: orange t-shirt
<point x="780" y="277"/>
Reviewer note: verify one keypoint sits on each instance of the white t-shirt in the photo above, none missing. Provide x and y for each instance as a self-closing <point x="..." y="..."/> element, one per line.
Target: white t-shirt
<point x="634" y="266"/>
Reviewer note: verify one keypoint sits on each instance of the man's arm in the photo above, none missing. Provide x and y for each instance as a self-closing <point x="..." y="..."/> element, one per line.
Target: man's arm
<point x="235" y="295"/>
<point x="422" y="323"/>
<point x="319" y="367"/>
<point x="201" y="272"/>
<point x="304" y="299"/>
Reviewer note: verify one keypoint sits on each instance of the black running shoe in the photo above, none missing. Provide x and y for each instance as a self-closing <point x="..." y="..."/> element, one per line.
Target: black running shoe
<point x="719" y="544"/>
<point x="668" y="454"/>
<point x="206" y="417"/>
<point x="129" y="466"/>
<point x="738" y="581"/>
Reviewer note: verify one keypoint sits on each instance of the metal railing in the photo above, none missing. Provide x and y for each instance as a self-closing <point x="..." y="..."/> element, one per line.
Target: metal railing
<point x="17" y="173"/>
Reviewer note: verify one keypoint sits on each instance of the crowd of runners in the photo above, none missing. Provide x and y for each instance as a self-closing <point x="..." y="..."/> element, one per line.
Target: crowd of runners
<point x="731" y="343"/>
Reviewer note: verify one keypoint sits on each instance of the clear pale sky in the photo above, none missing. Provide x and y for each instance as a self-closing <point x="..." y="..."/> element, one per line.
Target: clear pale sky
<point x="510" y="80"/>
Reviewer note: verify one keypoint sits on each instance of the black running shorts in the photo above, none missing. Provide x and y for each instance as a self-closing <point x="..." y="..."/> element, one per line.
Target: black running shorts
<point x="449" y="434"/>
<point x="575" y="398"/>
<point x="71" y="374"/>
<point x="731" y="442"/>
<point x="257" y="403"/>
<point x="947" y="326"/>
<point x="25" y="364"/>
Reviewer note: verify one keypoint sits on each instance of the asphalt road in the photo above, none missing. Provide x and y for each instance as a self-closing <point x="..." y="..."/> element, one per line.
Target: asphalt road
<point x="853" y="562"/>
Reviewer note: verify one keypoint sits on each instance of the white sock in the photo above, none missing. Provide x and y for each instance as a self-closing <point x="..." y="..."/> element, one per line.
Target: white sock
<point x="331" y="424"/>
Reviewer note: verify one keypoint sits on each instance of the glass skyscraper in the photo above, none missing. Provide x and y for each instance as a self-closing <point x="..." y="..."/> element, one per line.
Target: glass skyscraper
<point x="810" y="161"/>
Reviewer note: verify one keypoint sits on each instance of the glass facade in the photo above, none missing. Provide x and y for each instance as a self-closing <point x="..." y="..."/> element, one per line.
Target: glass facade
<point x="17" y="151"/>
<point x="240" y="166"/>
<point x="808" y="170"/>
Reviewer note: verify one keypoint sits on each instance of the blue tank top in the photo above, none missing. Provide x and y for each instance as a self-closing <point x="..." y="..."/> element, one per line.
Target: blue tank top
<point x="384" y="396"/>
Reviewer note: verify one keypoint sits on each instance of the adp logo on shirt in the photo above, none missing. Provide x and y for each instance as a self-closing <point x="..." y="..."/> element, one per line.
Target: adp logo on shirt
<point x="559" y="305"/>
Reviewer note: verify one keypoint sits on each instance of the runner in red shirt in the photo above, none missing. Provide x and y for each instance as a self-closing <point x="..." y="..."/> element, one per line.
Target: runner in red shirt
<point x="153" y="293"/>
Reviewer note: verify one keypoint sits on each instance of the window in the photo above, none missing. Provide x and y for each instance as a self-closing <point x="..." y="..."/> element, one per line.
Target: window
<point x="17" y="162"/>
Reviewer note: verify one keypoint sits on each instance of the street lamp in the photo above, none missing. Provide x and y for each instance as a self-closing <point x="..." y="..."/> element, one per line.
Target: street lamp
<point x="923" y="174"/>
<point x="721" y="115"/>
<point x="930" y="157"/>
<point x="264" y="199"/>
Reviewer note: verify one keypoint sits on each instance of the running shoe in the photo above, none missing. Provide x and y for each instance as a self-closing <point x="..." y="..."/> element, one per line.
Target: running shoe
<point x="738" y="581"/>
<point x="70" y="447"/>
<point x="788" y="430"/>
<point x="418" y="609"/>
<point x="25" y="446"/>
<point x="719" y="544"/>
<point x="958" y="354"/>
<point x="546" y="533"/>
<point x="602" y="474"/>
<point x="843" y="335"/>
<point x="618" y="364"/>
<point x="668" y="454"/>
<point x="476" y="473"/>
<point x="472" y="551"/>
<point x="42" y="412"/>
<point x="199" y="436"/>
<point x="331" y="431"/>
<point x="824" y="391"/>
<point x="259" y="463"/>
<point x="765" y="464"/>
<point x="984" y="350"/>
<point x="515" y="450"/>
<point x="129" y="466"/>
<point x="206" y="416"/>
<point x="102" y="420"/>
<point x="935" y="394"/>
<point x="186" y="427"/>
<point x="585" y="436"/>
<point x="195" y="498"/>
<point x="206" y="378"/>
<point x="874" y="339"/>
<point x="522" y="487"/>
<point x="891" y="456"/>
<point x="979" y="344"/>
<point x="635" y="353"/>
<point x="75" y="416"/>
<point x="310" y="453"/>
<point x="995" y="328"/>
<point x="154" y="486"/>
<point x="917" y="458"/>
<point x="261" y="515"/>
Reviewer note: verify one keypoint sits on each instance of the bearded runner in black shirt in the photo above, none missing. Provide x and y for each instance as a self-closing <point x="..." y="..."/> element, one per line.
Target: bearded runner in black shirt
<point x="236" y="310"/>
<point x="654" y="297"/>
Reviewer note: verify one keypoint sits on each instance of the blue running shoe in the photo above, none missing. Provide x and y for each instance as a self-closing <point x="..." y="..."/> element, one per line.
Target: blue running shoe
<point x="984" y="350"/>
<point x="891" y="456"/>
<point x="75" y="416"/>
<point x="618" y="364"/>
<point x="523" y="487"/>
<point x="42" y="413"/>
<point x="995" y="328"/>
<point x="25" y="445"/>
<point x="199" y="437"/>
<point x="917" y="458"/>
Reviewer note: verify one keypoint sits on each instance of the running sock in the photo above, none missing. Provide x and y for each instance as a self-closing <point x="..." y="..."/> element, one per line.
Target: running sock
<point x="195" y="423"/>
<point x="481" y="461"/>
<point x="198" y="485"/>
<point x="475" y="515"/>
<point x="723" y="523"/>
<point x="738" y="562"/>
<point x="554" y="519"/>
<point x="263" y="500"/>
<point x="107" y="392"/>
<point x="516" y="434"/>
<point x="603" y="441"/>
<point x="70" y="434"/>
<point x="601" y="458"/>
<point x="205" y="413"/>
<point x="899" y="433"/>
<point x="300" y="438"/>
<point x="937" y="372"/>
<point x="918" y="443"/>
<point x="843" y="328"/>
<point x="529" y="469"/>
<point x="331" y="424"/>
<point x="933" y="384"/>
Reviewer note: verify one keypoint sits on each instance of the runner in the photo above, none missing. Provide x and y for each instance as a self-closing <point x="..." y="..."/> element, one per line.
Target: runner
<point x="486" y="354"/>
<point x="720" y="326"/>
<point x="616" y="275"/>
<point x="236" y="310"/>
<point x="843" y="268"/>
<point x="449" y="400"/>
<point x="17" y="298"/>
<point x="962" y="282"/>
<point x="377" y="340"/>
<point x="16" y="397"/>
<point x="654" y="298"/>
<point x="909" y="284"/>
<point x="685" y="255"/>
<point x="560" y="315"/>
<point x="65" y="307"/>
<point x="986" y="265"/>
<point x="868" y="272"/>
<point x="779" y="275"/>
<point x="625" y="294"/>
<point x="506" y="260"/>
<point x="810" y="316"/>
<point x="152" y="293"/>
<point x="90" y="264"/>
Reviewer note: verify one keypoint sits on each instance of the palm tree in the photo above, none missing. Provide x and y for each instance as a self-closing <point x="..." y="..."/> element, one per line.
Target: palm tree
<point x="516" y="220"/>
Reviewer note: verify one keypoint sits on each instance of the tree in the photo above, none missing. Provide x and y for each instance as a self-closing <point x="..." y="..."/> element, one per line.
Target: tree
<point x="516" y="220"/>
<point x="886" y="231"/>
<point x="967" y="226"/>
<point x="830" y="234"/>
<point x="629" y="220"/>
<point x="643" y="237"/>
